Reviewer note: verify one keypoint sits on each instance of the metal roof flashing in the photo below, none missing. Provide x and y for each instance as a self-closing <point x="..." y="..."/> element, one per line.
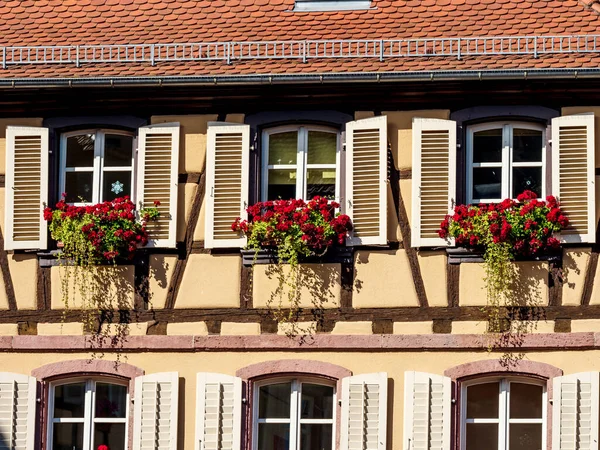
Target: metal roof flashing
<point x="331" y="5"/>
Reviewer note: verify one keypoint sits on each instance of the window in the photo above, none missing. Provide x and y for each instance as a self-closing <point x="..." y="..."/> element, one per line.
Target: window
<point x="96" y="165"/>
<point x="504" y="414"/>
<point x="294" y="414"/>
<point x="300" y="162"/>
<point x="504" y="160"/>
<point x="84" y="414"/>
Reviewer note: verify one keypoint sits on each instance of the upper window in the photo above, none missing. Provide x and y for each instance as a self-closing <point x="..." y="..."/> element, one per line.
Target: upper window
<point x="503" y="414"/>
<point x="85" y="413"/>
<point x="505" y="160"/>
<point x="294" y="414"/>
<point x="96" y="165"/>
<point x="300" y="162"/>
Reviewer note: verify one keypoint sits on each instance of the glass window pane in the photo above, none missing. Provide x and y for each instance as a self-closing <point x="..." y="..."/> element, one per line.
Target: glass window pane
<point x="317" y="401"/>
<point x="117" y="150"/>
<point x="526" y="401"/>
<point x="116" y="184"/>
<point x="525" y="436"/>
<point x="487" y="182"/>
<point x="67" y="436"/>
<point x="487" y="146"/>
<point x="527" y="145"/>
<point x="111" y="400"/>
<point x="320" y="182"/>
<point x="109" y="434"/>
<point x="79" y="186"/>
<point x="482" y="436"/>
<point x="274" y="401"/>
<point x="321" y="147"/>
<point x="80" y="150"/>
<point x="282" y="184"/>
<point x="315" y="437"/>
<point x="283" y="148"/>
<point x="274" y="436"/>
<point x="482" y="401"/>
<point x="69" y="400"/>
<point x="527" y="178"/>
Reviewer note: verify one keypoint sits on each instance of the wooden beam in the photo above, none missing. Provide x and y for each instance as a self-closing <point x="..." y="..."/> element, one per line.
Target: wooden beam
<point x="6" y="276"/>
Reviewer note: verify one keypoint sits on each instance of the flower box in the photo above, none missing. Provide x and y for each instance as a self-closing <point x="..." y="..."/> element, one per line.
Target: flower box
<point x="342" y="255"/>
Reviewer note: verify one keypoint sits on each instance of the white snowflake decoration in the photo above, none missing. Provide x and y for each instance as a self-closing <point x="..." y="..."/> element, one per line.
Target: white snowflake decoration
<point x="117" y="187"/>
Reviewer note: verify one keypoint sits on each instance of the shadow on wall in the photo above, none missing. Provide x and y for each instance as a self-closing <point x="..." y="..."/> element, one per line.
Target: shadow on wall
<point x="158" y="273"/>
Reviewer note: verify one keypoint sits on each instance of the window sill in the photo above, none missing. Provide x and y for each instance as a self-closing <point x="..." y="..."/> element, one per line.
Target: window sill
<point x="461" y="255"/>
<point x="342" y="255"/>
<point x="50" y="259"/>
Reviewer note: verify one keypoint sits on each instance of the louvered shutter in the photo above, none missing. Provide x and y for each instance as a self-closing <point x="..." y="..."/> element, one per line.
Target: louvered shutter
<point x="575" y="412"/>
<point x="157" y="173"/>
<point x="218" y="411"/>
<point x="573" y="175"/>
<point x="427" y="410"/>
<point x="17" y="411"/>
<point x="433" y="178"/>
<point x="227" y="162"/>
<point x="155" y="420"/>
<point x="26" y="188"/>
<point x="366" y="179"/>
<point x="364" y="412"/>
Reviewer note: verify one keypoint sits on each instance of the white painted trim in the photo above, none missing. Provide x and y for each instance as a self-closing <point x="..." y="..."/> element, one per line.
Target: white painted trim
<point x="11" y="134"/>
<point x="418" y="126"/>
<point x="587" y="120"/>
<point x="380" y="123"/>
<point x="143" y="132"/>
<point x="215" y="128"/>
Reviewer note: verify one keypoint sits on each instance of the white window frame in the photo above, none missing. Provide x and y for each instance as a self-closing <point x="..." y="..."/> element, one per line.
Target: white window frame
<point x="507" y="158"/>
<point x="301" y="164"/>
<point x="295" y="419"/>
<point x="89" y="410"/>
<point x="503" y="420"/>
<point x="97" y="168"/>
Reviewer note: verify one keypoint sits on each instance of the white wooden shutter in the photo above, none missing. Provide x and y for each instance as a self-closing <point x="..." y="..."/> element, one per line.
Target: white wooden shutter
<point x="26" y="188"/>
<point x="218" y="411"/>
<point x="155" y="420"/>
<point x="227" y="162"/>
<point x="17" y="411"/>
<point x="575" y="412"/>
<point x="364" y="412"/>
<point x="433" y="179"/>
<point x="573" y="175"/>
<point x="366" y="180"/>
<point x="427" y="411"/>
<point x="157" y="173"/>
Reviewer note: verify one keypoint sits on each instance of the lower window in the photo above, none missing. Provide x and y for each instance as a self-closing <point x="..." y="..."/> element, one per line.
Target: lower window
<point x="294" y="414"/>
<point x="84" y="414"/>
<point x="504" y="414"/>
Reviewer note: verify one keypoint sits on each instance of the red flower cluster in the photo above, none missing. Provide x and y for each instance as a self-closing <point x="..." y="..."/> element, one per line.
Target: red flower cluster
<point x="314" y="222"/>
<point x="110" y="228"/>
<point x="102" y="447"/>
<point x="527" y="225"/>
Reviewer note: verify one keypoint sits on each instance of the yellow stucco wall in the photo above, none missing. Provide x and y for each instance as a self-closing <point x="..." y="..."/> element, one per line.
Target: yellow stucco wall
<point x="394" y="363"/>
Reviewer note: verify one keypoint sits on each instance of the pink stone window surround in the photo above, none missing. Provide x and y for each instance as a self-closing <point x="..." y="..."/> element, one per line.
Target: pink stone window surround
<point x="329" y="374"/>
<point x="489" y="369"/>
<point x="121" y="373"/>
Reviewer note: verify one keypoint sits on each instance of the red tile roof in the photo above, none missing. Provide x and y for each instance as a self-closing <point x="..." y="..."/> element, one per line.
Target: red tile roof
<point x="110" y="22"/>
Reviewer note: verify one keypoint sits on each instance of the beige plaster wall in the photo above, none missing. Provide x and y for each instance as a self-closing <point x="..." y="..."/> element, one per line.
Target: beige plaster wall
<point x="382" y="278"/>
<point x="532" y="278"/>
<point x="394" y="363"/>
<point x="319" y="283"/>
<point x="161" y="271"/>
<point x="23" y="271"/>
<point x="433" y="266"/>
<point x="32" y="122"/>
<point x="210" y="281"/>
<point x="118" y="286"/>
<point x="575" y="261"/>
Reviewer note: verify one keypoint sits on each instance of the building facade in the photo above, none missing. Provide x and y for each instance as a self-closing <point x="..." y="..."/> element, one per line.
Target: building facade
<point x="398" y="110"/>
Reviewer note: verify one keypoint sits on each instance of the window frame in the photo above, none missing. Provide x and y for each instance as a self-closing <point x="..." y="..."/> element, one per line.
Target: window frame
<point x="89" y="403"/>
<point x="98" y="168"/>
<point x="301" y="164"/>
<point x="295" y="419"/>
<point x="506" y="163"/>
<point x="503" y="420"/>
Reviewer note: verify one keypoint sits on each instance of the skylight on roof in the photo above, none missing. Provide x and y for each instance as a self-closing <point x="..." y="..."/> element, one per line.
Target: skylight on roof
<point x="331" y="5"/>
